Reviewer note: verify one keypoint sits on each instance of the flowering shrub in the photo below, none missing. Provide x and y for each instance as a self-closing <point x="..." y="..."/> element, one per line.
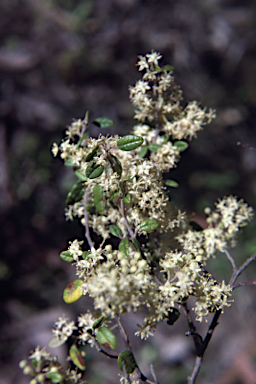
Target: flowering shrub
<point x="161" y="260"/>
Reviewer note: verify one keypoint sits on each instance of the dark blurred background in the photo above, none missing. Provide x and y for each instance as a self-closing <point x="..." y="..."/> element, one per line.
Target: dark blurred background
<point x="60" y="58"/>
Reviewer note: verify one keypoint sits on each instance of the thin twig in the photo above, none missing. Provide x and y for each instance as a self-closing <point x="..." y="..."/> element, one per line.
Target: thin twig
<point x="200" y="344"/>
<point x="122" y="211"/>
<point x="112" y="355"/>
<point x="242" y="268"/>
<point x="153" y="373"/>
<point x="252" y="282"/>
<point x="123" y="332"/>
<point x="128" y="346"/>
<point x="87" y="232"/>
<point x="232" y="261"/>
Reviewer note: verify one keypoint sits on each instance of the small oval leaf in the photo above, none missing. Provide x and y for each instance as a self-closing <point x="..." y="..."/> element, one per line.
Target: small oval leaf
<point x="171" y="183"/>
<point x="80" y="175"/>
<point x="76" y="194"/>
<point x="136" y="244"/>
<point x="91" y="154"/>
<point x="126" y="357"/>
<point x="129" y="142"/>
<point x="143" y="151"/>
<point x="115" y="231"/>
<point x="97" y="193"/>
<point x="99" y="207"/>
<point x="67" y="256"/>
<point x="106" y="337"/>
<point x="70" y="162"/>
<point x="124" y="246"/>
<point x="99" y="322"/>
<point x="154" y="147"/>
<point x="77" y="357"/>
<point x="56" y="342"/>
<point x="115" y="164"/>
<point x="148" y="225"/>
<point x="127" y="198"/>
<point x="55" y="377"/>
<point x="181" y="145"/>
<point x="86" y="255"/>
<point x="103" y="122"/>
<point x="94" y="170"/>
<point x="73" y="291"/>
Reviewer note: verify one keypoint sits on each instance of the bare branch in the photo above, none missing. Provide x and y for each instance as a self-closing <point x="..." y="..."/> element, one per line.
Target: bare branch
<point x="242" y="268"/>
<point x="87" y="232"/>
<point x="232" y="261"/>
<point x="252" y="282"/>
<point x="122" y="211"/>
<point x="196" y="369"/>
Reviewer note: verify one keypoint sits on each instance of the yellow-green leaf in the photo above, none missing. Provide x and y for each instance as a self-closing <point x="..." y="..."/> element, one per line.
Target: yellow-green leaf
<point x="106" y="337"/>
<point x="73" y="291"/>
<point x="77" y="357"/>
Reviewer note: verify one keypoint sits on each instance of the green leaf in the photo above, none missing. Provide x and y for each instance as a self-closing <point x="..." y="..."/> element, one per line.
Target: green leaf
<point x="171" y="183"/>
<point x="115" y="231"/>
<point x="97" y="194"/>
<point x="73" y="291"/>
<point x="67" y="256"/>
<point x="94" y="170"/>
<point x="154" y="147"/>
<point x="181" y="145"/>
<point x="80" y="175"/>
<point x="56" y="342"/>
<point x="173" y="315"/>
<point x="129" y="142"/>
<point x="127" y="198"/>
<point x="124" y="246"/>
<point x="143" y="151"/>
<point x="76" y="194"/>
<point x="77" y="357"/>
<point x="136" y="244"/>
<point x="91" y="154"/>
<point x="99" y="207"/>
<point x="70" y="163"/>
<point x="103" y="122"/>
<point x="55" y="377"/>
<point x="115" y="164"/>
<point x="99" y="322"/>
<point x="82" y="138"/>
<point x="90" y="208"/>
<point x="168" y="67"/>
<point x="126" y="357"/>
<point x="115" y="194"/>
<point x="86" y="255"/>
<point x="106" y="337"/>
<point x="148" y="225"/>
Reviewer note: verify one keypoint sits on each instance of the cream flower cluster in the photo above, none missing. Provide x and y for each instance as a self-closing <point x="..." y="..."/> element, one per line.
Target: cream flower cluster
<point x="224" y="223"/>
<point x="127" y="191"/>
<point x="151" y="99"/>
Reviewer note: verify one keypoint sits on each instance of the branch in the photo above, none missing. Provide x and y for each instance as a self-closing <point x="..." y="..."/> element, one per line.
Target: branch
<point x="232" y="261"/>
<point x="87" y="232"/>
<point x="122" y="211"/>
<point x="113" y="355"/>
<point x="242" y="268"/>
<point x="252" y="282"/>
<point x="200" y="344"/>
<point x="128" y="346"/>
